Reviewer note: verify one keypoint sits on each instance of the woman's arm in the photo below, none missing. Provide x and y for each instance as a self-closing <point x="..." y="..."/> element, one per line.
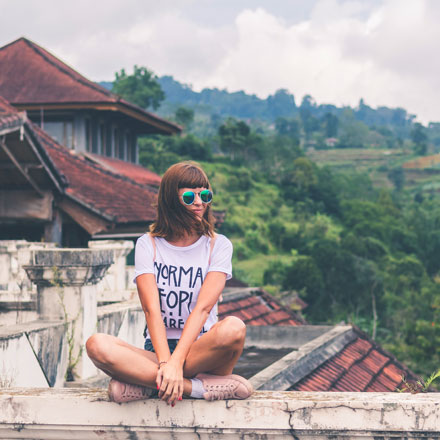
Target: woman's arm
<point x="208" y="296"/>
<point x="149" y="297"/>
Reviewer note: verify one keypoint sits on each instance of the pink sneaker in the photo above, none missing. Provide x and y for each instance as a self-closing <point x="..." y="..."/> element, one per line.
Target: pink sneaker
<point x="225" y="387"/>
<point x="126" y="392"/>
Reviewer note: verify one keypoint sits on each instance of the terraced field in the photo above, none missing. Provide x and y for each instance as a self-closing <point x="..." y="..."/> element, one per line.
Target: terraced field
<point x="377" y="163"/>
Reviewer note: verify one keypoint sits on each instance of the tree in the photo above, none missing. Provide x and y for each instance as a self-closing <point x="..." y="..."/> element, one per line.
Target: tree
<point x="397" y="176"/>
<point x="140" y="88"/>
<point x="184" y="116"/>
<point x="420" y="138"/>
<point x="234" y="137"/>
<point x="287" y="127"/>
<point x="282" y="103"/>
<point x="331" y="123"/>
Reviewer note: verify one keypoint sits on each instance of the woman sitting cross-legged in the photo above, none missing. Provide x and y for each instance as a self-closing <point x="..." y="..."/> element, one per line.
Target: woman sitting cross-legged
<point x="181" y="268"/>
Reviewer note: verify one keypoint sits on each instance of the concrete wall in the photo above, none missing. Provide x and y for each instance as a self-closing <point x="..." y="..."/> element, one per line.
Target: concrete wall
<point x="35" y="354"/>
<point x="14" y="254"/>
<point x="88" y="414"/>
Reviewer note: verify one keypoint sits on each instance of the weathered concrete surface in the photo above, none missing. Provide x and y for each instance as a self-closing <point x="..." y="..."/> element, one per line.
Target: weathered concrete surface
<point x="33" y="354"/>
<point x="36" y="353"/>
<point x="68" y="267"/>
<point x="283" y="336"/>
<point x="14" y="254"/>
<point x="87" y="414"/>
<point x="115" y="285"/>
<point x="66" y="280"/>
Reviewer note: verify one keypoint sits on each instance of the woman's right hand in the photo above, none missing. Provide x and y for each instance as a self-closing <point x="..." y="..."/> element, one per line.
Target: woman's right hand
<point x="169" y="382"/>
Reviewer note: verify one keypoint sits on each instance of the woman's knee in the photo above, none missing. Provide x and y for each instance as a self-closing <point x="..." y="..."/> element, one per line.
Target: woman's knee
<point x="231" y="332"/>
<point x="97" y="347"/>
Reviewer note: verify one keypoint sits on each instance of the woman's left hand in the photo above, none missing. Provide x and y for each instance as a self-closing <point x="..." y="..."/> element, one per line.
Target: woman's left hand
<point x="170" y="382"/>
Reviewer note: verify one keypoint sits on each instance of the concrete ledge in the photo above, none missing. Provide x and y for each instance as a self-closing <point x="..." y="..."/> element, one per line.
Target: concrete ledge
<point x="87" y="414"/>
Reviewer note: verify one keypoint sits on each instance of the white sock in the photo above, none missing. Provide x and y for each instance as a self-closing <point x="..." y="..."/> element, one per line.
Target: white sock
<point x="197" y="390"/>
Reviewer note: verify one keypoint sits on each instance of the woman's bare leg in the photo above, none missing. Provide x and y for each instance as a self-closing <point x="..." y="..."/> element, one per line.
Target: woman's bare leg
<point x="125" y="362"/>
<point x="218" y="350"/>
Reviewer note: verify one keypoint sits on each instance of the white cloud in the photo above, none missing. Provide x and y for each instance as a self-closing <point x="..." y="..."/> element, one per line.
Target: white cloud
<point x="384" y="51"/>
<point x="338" y="55"/>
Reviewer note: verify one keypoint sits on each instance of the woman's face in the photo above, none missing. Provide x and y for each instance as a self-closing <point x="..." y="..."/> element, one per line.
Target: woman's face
<point x="197" y="207"/>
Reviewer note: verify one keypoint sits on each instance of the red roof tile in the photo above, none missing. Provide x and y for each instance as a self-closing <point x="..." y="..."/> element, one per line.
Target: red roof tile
<point x="258" y="308"/>
<point x="32" y="75"/>
<point x="9" y="116"/>
<point x="362" y="365"/>
<point x="135" y="172"/>
<point x="114" y="196"/>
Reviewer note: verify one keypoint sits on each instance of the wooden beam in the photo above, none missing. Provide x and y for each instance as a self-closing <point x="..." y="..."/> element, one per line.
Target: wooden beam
<point x="25" y="205"/>
<point x="85" y="218"/>
<point x="35" y="150"/>
<point x="25" y="165"/>
<point x="20" y="168"/>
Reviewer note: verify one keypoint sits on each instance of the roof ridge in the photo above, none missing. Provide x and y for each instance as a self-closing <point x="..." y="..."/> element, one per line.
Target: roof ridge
<point x="65" y="68"/>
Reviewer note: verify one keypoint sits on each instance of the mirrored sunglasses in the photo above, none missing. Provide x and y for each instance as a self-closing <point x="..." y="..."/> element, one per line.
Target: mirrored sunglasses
<point x="188" y="197"/>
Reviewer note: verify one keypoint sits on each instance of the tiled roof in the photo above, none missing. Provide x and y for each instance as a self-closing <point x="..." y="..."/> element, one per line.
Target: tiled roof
<point x="9" y="116"/>
<point x="256" y="307"/>
<point x="30" y="75"/>
<point x="362" y="365"/>
<point x="135" y="172"/>
<point x="235" y="282"/>
<point x="115" y="197"/>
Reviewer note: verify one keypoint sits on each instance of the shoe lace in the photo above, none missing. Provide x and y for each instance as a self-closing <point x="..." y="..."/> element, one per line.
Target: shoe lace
<point x="135" y="391"/>
<point x="221" y="392"/>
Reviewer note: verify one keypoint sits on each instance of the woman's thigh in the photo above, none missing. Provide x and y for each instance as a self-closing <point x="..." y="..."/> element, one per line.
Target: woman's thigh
<point x="101" y="346"/>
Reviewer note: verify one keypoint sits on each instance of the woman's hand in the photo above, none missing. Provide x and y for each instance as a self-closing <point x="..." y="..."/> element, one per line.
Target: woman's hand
<point x="169" y="381"/>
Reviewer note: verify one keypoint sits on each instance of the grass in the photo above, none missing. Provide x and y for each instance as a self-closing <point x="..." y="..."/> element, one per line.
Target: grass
<point x="251" y="271"/>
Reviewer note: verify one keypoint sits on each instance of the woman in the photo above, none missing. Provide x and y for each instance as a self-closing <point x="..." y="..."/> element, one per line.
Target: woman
<point x="181" y="268"/>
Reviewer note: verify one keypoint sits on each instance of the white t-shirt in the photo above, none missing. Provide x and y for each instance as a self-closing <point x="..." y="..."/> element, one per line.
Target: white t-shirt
<point x="180" y="272"/>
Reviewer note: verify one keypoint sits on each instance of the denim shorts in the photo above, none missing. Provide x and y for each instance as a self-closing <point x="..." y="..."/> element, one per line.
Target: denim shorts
<point x="172" y="343"/>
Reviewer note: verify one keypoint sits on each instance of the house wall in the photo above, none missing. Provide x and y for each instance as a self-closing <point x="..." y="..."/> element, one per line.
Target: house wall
<point x="93" y="131"/>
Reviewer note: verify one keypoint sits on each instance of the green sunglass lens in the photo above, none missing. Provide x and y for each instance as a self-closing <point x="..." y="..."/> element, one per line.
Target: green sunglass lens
<point x="188" y="197"/>
<point x="206" y="196"/>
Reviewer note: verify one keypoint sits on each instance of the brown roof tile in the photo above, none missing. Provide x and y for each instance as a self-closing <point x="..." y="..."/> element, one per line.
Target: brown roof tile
<point x="132" y="171"/>
<point x="258" y="308"/>
<point x="112" y="195"/>
<point x="362" y="365"/>
<point x="9" y="116"/>
<point x="32" y="75"/>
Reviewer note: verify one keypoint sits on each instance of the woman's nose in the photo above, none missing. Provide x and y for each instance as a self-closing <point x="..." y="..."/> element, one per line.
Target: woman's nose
<point x="197" y="199"/>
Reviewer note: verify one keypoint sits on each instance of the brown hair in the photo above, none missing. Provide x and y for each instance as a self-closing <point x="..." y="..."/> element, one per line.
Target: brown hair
<point x="174" y="220"/>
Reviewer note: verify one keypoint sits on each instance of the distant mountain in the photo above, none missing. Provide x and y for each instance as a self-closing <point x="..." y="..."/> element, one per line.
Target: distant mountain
<point x="236" y="104"/>
<point x="216" y="104"/>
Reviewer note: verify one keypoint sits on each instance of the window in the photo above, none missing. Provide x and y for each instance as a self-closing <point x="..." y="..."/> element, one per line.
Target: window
<point x="116" y="140"/>
<point x="61" y="131"/>
<point x="121" y="143"/>
<point x="88" y="136"/>
<point x="102" y="133"/>
<point x="108" y="141"/>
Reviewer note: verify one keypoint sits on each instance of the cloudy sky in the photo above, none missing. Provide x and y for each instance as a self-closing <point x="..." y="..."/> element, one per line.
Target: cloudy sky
<point x="385" y="51"/>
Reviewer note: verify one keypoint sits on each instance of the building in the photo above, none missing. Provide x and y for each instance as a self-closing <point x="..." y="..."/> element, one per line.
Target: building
<point x="76" y="112"/>
<point x="50" y="193"/>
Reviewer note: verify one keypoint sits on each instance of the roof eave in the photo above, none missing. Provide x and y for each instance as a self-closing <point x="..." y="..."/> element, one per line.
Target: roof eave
<point x="161" y="126"/>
